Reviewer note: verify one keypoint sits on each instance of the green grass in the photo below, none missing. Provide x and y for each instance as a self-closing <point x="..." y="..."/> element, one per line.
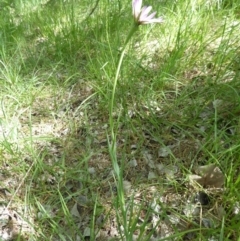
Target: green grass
<point x="178" y="90"/>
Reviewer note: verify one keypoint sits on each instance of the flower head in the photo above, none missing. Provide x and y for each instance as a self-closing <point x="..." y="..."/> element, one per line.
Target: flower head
<point x="141" y="14"/>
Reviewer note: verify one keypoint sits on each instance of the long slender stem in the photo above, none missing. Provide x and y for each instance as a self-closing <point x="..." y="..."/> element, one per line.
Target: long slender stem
<point x="113" y="148"/>
<point x="113" y="134"/>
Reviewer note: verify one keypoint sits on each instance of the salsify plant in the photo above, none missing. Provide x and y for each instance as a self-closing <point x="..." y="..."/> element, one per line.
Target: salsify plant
<point x="141" y="15"/>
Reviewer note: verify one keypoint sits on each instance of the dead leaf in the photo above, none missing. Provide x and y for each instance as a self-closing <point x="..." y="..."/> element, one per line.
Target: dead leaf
<point x="74" y="211"/>
<point x="208" y="176"/>
<point x="164" y="151"/>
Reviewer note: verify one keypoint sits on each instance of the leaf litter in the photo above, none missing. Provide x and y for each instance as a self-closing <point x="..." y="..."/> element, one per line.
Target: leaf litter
<point x="149" y="176"/>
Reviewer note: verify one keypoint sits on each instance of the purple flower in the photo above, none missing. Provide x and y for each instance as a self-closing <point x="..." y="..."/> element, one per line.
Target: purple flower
<point x="141" y="14"/>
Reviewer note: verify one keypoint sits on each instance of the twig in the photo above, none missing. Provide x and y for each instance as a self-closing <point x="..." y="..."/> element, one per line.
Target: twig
<point x="93" y="9"/>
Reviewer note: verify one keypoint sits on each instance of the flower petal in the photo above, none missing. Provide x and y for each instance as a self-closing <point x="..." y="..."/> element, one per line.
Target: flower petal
<point x="152" y="15"/>
<point x="136" y="7"/>
<point x="149" y="17"/>
<point x="145" y="11"/>
<point x="157" y="20"/>
<point x="141" y="14"/>
<point x="154" y="20"/>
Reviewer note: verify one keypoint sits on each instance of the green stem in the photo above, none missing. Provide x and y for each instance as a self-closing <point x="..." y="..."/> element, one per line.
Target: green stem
<point x="113" y="134"/>
<point x="113" y="148"/>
